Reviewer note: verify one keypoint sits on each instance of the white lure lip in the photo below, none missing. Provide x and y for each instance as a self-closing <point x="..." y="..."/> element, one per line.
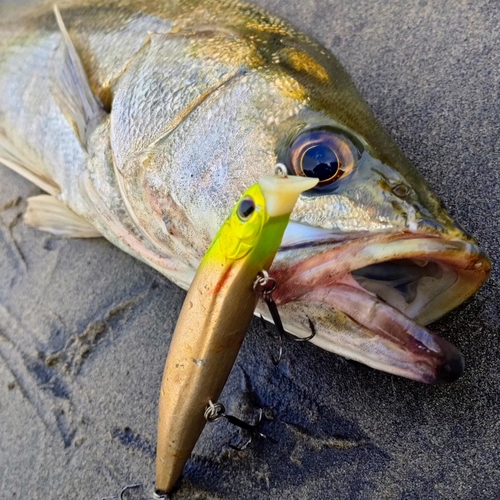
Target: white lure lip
<point x="282" y="192"/>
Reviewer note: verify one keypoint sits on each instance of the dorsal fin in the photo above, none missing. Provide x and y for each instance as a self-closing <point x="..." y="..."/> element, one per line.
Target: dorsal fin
<point x="71" y="89"/>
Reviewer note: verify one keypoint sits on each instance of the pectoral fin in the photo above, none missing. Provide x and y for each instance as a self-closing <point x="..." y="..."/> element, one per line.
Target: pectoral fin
<point x="50" y="214"/>
<point x="71" y="89"/>
<point x="21" y="162"/>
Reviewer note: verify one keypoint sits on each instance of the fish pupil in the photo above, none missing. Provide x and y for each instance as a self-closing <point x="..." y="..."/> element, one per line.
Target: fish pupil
<point x="246" y="208"/>
<point x="320" y="161"/>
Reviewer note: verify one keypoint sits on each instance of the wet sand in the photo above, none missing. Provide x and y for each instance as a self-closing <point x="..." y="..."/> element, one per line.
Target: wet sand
<point x="84" y="328"/>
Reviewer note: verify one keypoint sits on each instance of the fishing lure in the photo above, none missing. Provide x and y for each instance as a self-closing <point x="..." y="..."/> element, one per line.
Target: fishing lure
<point x="215" y="317"/>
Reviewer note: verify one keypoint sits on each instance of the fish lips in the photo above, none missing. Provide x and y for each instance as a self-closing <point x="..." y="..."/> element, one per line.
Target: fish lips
<point x="370" y="296"/>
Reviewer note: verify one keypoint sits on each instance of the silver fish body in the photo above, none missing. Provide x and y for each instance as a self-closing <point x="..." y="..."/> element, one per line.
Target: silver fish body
<point x="177" y="107"/>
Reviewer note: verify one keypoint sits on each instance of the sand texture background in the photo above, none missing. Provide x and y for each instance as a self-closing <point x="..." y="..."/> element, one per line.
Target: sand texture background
<point x="84" y="328"/>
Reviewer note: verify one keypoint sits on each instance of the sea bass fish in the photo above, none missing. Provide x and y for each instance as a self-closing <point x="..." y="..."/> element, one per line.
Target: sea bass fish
<point x="145" y="121"/>
<point x="216" y="315"/>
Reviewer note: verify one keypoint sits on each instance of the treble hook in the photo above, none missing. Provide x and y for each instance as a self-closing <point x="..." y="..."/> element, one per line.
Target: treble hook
<point x="265" y="285"/>
<point x="122" y="492"/>
<point x="215" y="411"/>
<point x="120" y="496"/>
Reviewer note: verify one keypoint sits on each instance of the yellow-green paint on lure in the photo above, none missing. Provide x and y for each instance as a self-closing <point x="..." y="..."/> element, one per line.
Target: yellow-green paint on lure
<point x="215" y="317"/>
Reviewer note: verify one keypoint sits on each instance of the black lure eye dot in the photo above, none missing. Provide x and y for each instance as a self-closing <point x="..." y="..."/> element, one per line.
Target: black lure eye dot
<point x="246" y="208"/>
<point x="320" y="161"/>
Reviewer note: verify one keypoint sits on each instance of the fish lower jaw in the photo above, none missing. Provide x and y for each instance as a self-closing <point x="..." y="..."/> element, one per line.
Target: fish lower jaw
<point x="392" y="342"/>
<point x="373" y="297"/>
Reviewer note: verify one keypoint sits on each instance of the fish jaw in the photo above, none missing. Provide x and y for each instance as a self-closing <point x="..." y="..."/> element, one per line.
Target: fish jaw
<point x="375" y="321"/>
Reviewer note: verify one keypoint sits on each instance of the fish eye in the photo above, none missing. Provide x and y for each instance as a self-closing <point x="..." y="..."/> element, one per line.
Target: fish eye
<point x="246" y="208"/>
<point x="320" y="161"/>
<point x="324" y="154"/>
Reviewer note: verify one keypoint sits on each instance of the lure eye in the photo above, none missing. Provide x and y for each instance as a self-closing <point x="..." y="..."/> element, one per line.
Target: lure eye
<point x="323" y="154"/>
<point x="246" y="208"/>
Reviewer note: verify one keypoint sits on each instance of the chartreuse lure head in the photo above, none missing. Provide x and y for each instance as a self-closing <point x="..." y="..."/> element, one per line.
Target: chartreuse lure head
<point x="261" y="215"/>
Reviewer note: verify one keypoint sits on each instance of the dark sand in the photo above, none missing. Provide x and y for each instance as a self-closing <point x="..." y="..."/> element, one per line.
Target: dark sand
<point x="84" y="328"/>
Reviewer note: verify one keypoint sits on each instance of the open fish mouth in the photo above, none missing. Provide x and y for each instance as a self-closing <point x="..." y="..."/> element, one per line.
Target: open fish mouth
<point x="378" y="291"/>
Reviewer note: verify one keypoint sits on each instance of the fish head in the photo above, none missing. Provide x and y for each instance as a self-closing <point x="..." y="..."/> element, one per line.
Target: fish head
<point x="370" y="255"/>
